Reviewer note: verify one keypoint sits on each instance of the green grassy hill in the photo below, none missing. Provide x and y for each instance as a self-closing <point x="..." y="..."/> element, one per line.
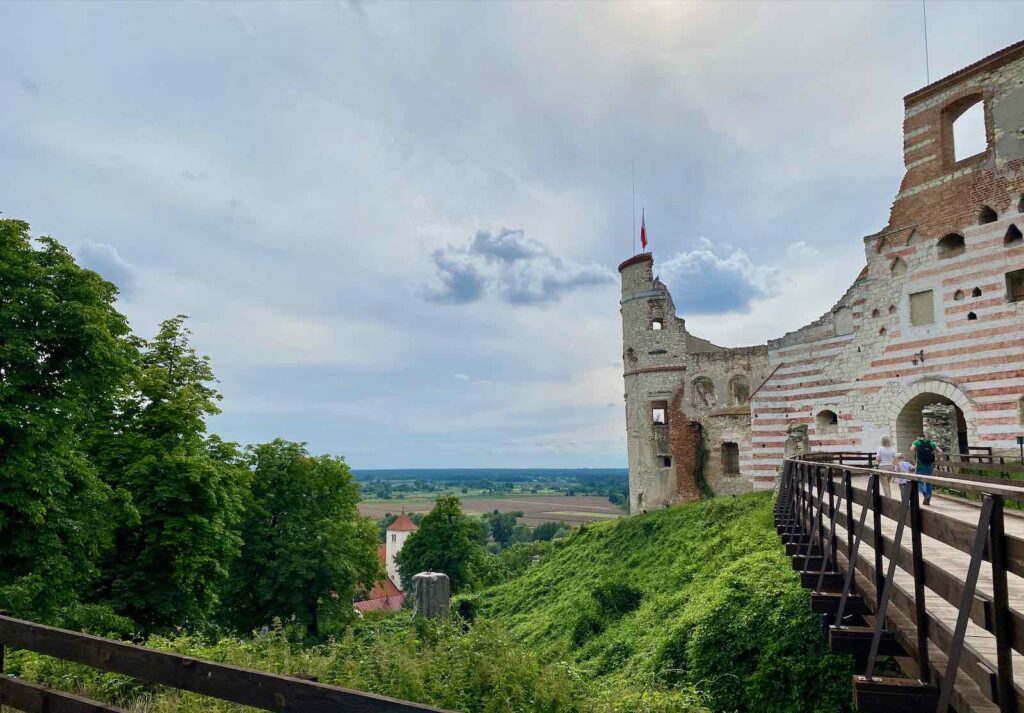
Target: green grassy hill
<point x="697" y="595"/>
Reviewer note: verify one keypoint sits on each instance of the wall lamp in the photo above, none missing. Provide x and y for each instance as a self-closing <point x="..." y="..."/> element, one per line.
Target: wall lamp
<point x="919" y="357"/>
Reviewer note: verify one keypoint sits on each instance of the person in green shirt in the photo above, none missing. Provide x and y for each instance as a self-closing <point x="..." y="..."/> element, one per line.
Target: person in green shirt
<point x="923" y="454"/>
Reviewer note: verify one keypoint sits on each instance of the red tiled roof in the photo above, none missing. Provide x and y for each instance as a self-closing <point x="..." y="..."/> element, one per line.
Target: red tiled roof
<point x="390" y="603"/>
<point x="403" y="524"/>
<point x="384" y="588"/>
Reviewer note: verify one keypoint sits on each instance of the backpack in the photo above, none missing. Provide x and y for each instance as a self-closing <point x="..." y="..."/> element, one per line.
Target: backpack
<point x="926" y="452"/>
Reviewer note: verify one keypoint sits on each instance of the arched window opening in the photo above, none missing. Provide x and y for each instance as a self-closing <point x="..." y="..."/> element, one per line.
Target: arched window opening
<point x="976" y="292"/>
<point x="875" y="313"/>
<point x="704" y="393"/>
<point x="730" y="459"/>
<point x="987" y="215"/>
<point x="739" y="390"/>
<point x="827" y="419"/>
<point x="898" y="267"/>
<point x="1013" y="236"/>
<point x="1020" y="205"/>
<point x="958" y="295"/>
<point x="892" y="309"/>
<point x="951" y="245"/>
<point x="971" y="316"/>
<point x="882" y="332"/>
<point x="968" y="132"/>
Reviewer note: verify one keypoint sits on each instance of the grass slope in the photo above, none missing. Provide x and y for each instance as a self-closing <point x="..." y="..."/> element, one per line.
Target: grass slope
<point x="696" y="595"/>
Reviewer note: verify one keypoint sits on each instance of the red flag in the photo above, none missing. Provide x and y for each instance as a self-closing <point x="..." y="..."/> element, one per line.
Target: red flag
<point x="643" y="232"/>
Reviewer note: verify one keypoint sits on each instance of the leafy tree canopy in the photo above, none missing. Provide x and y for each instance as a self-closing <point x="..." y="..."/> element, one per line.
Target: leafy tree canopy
<point x="305" y="542"/>
<point x="174" y="548"/>
<point x="447" y="541"/>
<point x="65" y="351"/>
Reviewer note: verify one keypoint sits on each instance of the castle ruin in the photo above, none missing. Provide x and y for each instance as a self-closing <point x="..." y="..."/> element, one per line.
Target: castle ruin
<point x="929" y="336"/>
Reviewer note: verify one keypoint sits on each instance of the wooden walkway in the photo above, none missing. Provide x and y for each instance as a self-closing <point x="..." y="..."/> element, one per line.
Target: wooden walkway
<point x="946" y="532"/>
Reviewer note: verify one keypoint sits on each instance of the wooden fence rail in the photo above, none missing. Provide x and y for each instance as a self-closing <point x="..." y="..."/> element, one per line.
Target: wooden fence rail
<point x="258" y="689"/>
<point x="924" y="601"/>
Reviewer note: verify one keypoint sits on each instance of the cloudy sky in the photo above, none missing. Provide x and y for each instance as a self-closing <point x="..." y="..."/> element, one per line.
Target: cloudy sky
<point x="395" y="227"/>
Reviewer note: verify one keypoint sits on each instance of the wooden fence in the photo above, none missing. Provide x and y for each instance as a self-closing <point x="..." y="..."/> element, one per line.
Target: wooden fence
<point x="258" y="689"/>
<point x="923" y="603"/>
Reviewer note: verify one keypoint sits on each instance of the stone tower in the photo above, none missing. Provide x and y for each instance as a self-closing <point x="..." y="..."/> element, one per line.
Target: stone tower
<point x="687" y="400"/>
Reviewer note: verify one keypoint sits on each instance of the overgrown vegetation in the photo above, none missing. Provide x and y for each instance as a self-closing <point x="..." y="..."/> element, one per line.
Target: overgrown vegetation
<point x="697" y="595"/>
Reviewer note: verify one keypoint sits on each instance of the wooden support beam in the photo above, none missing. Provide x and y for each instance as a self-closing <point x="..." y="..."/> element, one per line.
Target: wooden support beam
<point x="893" y="695"/>
<point x="801" y="548"/>
<point x="828" y="603"/>
<point x="802" y="563"/>
<point x="830" y="582"/>
<point x="33" y="698"/>
<point x="856" y="641"/>
<point x="258" y="689"/>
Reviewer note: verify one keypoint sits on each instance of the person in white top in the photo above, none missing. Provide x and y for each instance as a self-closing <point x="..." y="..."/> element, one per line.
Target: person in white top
<point x="886" y="457"/>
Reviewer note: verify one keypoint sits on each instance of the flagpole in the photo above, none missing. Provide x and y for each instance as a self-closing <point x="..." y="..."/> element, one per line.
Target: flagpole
<point x="632" y="184"/>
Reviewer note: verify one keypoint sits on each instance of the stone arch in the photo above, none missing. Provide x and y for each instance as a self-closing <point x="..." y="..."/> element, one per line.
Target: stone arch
<point x="904" y="410"/>
<point x="703" y="392"/>
<point x="826" y="421"/>
<point x="739" y="390"/>
<point x="1013" y="235"/>
<point x="898" y="267"/>
<point x="951" y="245"/>
<point x="987" y="215"/>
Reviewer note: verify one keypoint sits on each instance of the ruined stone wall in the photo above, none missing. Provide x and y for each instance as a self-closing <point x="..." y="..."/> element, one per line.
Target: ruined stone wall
<point x="872" y="363"/>
<point x="972" y="352"/>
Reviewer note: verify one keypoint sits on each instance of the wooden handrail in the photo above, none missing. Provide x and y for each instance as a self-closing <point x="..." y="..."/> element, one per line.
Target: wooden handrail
<point x="998" y="487"/>
<point x="259" y="689"/>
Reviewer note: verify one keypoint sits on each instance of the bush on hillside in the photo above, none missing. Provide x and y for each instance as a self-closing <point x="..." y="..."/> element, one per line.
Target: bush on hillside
<point x="721" y="611"/>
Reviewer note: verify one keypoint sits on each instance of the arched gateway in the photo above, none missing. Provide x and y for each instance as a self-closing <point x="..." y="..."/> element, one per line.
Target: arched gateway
<point x="906" y="415"/>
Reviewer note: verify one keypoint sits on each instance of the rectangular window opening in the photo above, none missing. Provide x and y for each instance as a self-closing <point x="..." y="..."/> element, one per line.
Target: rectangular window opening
<point x="656" y="324"/>
<point x="659" y="411"/>
<point x="922" y="308"/>
<point x="1015" y="286"/>
<point x="730" y="458"/>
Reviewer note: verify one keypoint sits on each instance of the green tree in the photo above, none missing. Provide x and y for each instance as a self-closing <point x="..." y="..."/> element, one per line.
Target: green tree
<point x="174" y="550"/>
<point x="305" y="541"/>
<point x="547" y="531"/>
<point x="447" y="541"/>
<point x="64" y="353"/>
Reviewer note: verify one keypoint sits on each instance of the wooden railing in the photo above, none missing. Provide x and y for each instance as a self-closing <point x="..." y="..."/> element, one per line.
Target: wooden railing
<point x="258" y="689"/>
<point x="829" y="514"/>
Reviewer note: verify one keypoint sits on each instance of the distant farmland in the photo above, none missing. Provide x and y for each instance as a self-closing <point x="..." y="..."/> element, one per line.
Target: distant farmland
<point x="536" y="509"/>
